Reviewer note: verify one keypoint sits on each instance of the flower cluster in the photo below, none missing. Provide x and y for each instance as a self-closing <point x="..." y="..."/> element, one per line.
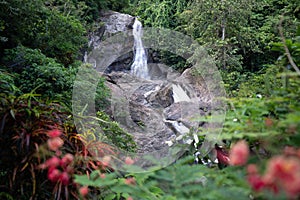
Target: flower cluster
<point x="59" y="169"/>
<point x="130" y="181"/>
<point x="54" y="142"/>
<point x="239" y="153"/>
<point x="282" y="173"/>
<point x="84" y="190"/>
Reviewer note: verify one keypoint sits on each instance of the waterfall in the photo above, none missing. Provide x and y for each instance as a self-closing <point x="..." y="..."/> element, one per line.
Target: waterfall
<point x="139" y="67"/>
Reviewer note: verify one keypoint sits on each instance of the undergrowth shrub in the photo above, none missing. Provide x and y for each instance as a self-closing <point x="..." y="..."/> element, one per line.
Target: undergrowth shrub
<point x="116" y="134"/>
<point x="34" y="71"/>
<point x="27" y="142"/>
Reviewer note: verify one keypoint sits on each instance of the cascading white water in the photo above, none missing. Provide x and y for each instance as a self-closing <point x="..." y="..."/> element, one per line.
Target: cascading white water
<point x="179" y="94"/>
<point x="139" y="67"/>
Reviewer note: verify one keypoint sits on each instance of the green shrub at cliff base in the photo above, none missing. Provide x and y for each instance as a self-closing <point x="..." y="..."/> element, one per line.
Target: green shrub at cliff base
<point x="115" y="133"/>
<point x="34" y="71"/>
<point x="7" y="85"/>
<point x="266" y="108"/>
<point x="102" y="95"/>
<point x="247" y="84"/>
<point x="61" y="37"/>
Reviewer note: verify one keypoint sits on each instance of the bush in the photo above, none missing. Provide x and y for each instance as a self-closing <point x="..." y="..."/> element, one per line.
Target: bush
<point x="24" y="123"/>
<point x="115" y="133"/>
<point x="36" y="135"/>
<point x="34" y="71"/>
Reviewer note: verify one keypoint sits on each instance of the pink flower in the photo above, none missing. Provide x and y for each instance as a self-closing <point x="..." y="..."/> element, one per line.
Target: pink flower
<point x="106" y="161"/>
<point x="66" y="160"/>
<point x="129" y="161"/>
<point x="54" y="133"/>
<point x="102" y="175"/>
<point x="53" y="174"/>
<point x="55" y="143"/>
<point x="254" y="179"/>
<point x="282" y="173"/>
<point x="130" y="181"/>
<point x="53" y="162"/>
<point x="64" y="178"/>
<point x="285" y="168"/>
<point x="256" y="182"/>
<point x="239" y="153"/>
<point x="252" y="169"/>
<point x="285" y="173"/>
<point x="84" y="190"/>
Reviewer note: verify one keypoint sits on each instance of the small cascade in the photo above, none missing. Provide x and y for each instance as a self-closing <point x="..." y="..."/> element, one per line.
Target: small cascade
<point x="179" y="94"/>
<point x="139" y="67"/>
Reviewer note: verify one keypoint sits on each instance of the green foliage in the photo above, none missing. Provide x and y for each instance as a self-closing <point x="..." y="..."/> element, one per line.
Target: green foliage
<point x="6" y="196"/>
<point x="115" y="133"/>
<point x="34" y="71"/>
<point x="59" y="37"/>
<point x="271" y="77"/>
<point x="40" y="41"/>
<point x="7" y="85"/>
<point x="265" y="81"/>
<point x="247" y="117"/>
<point x="158" y="13"/>
<point x="270" y="116"/>
<point x="35" y="25"/>
<point x="220" y="27"/>
<point x="294" y="48"/>
<point x="180" y="181"/>
<point x="238" y="34"/>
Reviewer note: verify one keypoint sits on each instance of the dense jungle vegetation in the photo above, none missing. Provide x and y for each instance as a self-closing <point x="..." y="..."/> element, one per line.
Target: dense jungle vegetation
<point x="256" y="46"/>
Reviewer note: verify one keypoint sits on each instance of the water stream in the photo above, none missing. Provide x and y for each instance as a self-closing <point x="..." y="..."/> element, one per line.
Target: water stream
<point x="139" y="67"/>
<point x="179" y="94"/>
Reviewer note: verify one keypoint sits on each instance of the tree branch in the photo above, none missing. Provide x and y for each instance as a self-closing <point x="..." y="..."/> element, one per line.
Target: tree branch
<point x="291" y="61"/>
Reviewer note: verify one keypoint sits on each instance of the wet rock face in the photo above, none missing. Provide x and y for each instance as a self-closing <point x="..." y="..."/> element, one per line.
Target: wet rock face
<point x="149" y="111"/>
<point x="112" y="23"/>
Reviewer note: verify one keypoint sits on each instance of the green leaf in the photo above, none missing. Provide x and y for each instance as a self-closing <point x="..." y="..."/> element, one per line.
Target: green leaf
<point x="12" y="114"/>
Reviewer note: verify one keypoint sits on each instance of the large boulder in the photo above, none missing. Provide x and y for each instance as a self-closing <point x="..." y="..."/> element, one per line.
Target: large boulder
<point x="110" y="23"/>
<point x="147" y="109"/>
<point x="105" y="38"/>
<point x="116" y="22"/>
